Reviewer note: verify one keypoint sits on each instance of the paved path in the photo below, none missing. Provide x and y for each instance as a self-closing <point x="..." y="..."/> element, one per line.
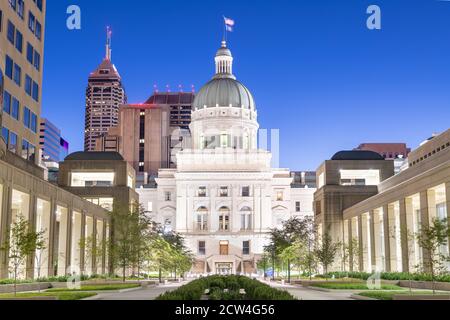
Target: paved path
<point x="303" y="293"/>
<point x="149" y="293"/>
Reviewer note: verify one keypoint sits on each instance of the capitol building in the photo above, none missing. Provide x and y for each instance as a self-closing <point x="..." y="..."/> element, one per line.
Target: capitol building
<point x="224" y="197"/>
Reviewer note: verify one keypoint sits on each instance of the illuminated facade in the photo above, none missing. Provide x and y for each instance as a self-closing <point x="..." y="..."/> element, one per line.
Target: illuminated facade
<point x="224" y="197"/>
<point x="384" y="216"/>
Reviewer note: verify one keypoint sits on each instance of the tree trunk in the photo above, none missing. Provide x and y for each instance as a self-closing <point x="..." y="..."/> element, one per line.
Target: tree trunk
<point x="289" y="271"/>
<point x="124" y="278"/>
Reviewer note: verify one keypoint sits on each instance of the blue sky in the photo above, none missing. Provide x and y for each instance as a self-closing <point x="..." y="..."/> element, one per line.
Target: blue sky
<point x="317" y="73"/>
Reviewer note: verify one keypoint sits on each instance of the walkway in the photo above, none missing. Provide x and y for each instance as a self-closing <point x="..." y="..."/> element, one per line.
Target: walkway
<point x="303" y="293"/>
<point x="149" y="293"/>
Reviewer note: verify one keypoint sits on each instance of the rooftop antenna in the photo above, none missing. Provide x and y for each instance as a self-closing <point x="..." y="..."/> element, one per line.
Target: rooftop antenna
<point x="108" y="42"/>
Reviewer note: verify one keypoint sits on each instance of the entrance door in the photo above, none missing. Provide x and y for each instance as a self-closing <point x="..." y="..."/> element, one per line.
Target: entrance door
<point x="224" y="248"/>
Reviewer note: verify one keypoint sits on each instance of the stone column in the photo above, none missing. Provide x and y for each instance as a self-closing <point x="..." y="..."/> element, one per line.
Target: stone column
<point x="32" y="221"/>
<point x="387" y="238"/>
<point x="361" y="243"/>
<point x="104" y="237"/>
<point x="83" y="236"/>
<point x="373" y="254"/>
<point x="404" y="233"/>
<point x="350" y="244"/>
<point x="94" y="265"/>
<point x="51" y="243"/>
<point x="69" y="236"/>
<point x="425" y="223"/>
<point x="447" y="201"/>
<point x="5" y="222"/>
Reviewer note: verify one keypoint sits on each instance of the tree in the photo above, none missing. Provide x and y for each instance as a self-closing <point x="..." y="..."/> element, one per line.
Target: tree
<point x="23" y="242"/>
<point x="351" y="252"/>
<point x="92" y="251"/>
<point x="431" y="238"/>
<point x="325" y="252"/>
<point x="292" y="231"/>
<point x="132" y="230"/>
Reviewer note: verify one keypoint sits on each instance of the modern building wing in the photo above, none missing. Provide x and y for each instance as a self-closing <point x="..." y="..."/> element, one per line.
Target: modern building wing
<point x="384" y="218"/>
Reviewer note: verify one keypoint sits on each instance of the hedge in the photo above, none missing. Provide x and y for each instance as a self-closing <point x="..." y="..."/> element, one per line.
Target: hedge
<point x="216" y="285"/>
<point x="390" y="276"/>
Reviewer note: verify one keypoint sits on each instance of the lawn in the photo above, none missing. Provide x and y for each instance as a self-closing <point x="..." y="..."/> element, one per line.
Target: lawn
<point x="112" y="287"/>
<point x="352" y="286"/>
<point x="389" y="295"/>
<point x="59" y="295"/>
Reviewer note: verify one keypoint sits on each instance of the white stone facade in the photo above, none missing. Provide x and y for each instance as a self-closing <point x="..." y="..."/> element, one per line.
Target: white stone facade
<point x="224" y="197"/>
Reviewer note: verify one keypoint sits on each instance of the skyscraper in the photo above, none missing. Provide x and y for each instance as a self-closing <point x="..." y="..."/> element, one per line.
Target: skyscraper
<point x="21" y="55"/>
<point x="54" y="147"/>
<point x="104" y="95"/>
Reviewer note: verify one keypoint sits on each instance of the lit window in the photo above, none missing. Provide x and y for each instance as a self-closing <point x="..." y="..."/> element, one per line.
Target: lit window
<point x="280" y="196"/>
<point x="223" y="192"/>
<point x="92" y="179"/>
<point x="202" y="192"/>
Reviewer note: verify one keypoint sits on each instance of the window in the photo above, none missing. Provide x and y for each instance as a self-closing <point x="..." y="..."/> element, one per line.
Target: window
<point x="7" y="103"/>
<point x="39" y="4"/>
<point x="28" y="84"/>
<point x="246" y="191"/>
<point x="31" y="22"/>
<point x="33" y="126"/>
<point x="297" y="206"/>
<point x="12" y="145"/>
<point x="26" y="117"/>
<point x="38" y="30"/>
<point x="30" y="53"/>
<point x="223" y="192"/>
<point x="5" y="135"/>
<point x="202" y="192"/>
<point x="19" y="41"/>
<point x="35" y="93"/>
<point x="37" y="61"/>
<point x="20" y="8"/>
<point x="15" y="109"/>
<point x="224" y="219"/>
<point x="202" y="219"/>
<point x="11" y="32"/>
<point x="280" y="196"/>
<point x="167" y="196"/>
<point x="25" y="146"/>
<point x="202" y="248"/>
<point x="92" y="179"/>
<point x="246" y="248"/>
<point x="17" y="74"/>
<point x="359" y="177"/>
<point x="9" y="67"/>
<point x="246" y="219"/>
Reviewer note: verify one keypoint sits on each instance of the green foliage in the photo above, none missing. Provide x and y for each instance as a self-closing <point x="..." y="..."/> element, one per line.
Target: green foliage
<point x="394" y="276"/>
<point x="326" y="251"/>
<point x="226" y="288"/>
<point x="110" y="287"/>
<point x="389" y="295"/>
<point x="352" y="286"/>
<point x="59" y="296"/>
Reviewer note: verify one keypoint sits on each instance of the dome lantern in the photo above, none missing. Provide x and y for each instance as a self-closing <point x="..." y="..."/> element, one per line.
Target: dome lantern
<point x="224" y="62"/>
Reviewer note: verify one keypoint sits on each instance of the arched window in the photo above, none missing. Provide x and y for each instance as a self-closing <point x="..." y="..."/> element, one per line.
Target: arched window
<point x="202" y="219"/>
<point x="224" y="219"/>
<point x="246" y="218"/>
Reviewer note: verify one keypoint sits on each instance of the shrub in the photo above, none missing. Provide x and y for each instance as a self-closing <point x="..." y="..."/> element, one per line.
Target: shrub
<point x="254" y="289"/>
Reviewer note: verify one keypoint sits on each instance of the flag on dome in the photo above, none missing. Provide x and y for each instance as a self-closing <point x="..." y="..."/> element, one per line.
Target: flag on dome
<point x="229" y="24"/>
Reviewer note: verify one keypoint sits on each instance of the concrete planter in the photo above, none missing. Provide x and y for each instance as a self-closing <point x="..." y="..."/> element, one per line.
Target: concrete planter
<point x="9" y="288"/>
<point x="421" y="297"/>
<point x="426" y="285"/>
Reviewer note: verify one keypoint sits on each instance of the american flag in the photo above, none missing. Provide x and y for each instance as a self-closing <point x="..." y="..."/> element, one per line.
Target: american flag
<point x="229" y="24"/>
